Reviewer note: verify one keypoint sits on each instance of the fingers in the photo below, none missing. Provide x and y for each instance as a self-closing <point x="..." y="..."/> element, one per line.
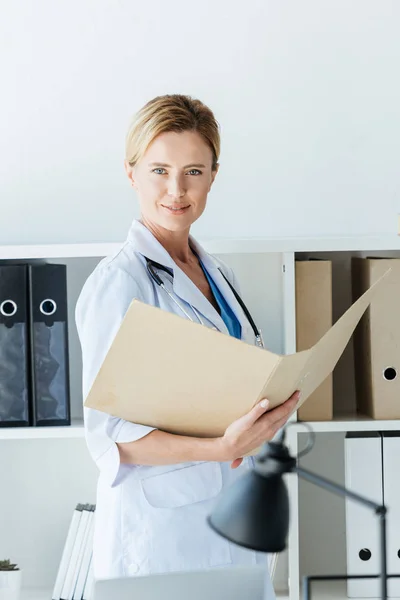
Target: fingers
<point x="295" y="396"/>
<point x="283" y="410"/>
<point x="278" y="425"/>
<point x="257" y="426"/>
<point x="262" y="407"/>
<point x="256" y="412"/>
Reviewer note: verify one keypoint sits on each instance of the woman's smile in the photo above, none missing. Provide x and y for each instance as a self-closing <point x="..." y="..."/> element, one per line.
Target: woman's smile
<point x="176" y="210"/>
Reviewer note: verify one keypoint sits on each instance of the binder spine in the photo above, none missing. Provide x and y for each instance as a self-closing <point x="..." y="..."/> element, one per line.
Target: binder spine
<point x="15" y="389"/>
<point x="391" y="494"/>
<point x="363" y="466"/>
<point x="49" y="345"/>
<point x="32" y="399"/>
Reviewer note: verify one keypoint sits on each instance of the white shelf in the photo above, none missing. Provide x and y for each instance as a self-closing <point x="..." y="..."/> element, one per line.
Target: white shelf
<point x="350" y="424"/>
<point x="327" y="590"/>
<point x="36" y="594"/>
<point x="302" y="244"/>
<point x="215" y="246"/>
<point x="12" y="252"/>
<point x="322" y="590"/>
<point x="75" y="430"/>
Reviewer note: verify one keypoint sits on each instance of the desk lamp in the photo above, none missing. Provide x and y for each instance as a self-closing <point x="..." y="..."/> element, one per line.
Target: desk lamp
<point x="254" y="511"/>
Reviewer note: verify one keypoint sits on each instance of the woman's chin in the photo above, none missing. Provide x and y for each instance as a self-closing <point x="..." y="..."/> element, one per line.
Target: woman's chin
<point x="177" y="222"/>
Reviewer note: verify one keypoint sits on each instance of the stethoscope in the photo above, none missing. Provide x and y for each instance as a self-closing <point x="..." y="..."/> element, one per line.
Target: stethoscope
<point x="151" y="265"/>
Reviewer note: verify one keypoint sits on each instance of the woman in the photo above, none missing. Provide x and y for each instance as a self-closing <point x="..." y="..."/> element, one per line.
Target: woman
<point x="156" y="489"/>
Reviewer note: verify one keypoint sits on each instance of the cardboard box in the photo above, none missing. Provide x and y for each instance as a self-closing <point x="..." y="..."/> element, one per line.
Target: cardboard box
<point x="377" y="340"/>
<point x="313" y="320"/>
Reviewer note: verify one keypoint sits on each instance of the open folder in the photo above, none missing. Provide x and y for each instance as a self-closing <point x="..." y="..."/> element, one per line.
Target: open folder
<point x="181" y="377"/>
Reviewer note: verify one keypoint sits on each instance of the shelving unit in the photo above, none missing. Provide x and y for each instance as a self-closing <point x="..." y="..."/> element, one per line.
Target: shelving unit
<point x="265" y="268"/>
<point x="75" y="430"/>
<point x="350" y="424"/>
<point x="215" y="246"/>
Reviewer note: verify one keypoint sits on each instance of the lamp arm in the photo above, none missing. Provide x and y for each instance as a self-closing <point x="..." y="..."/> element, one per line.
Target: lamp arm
<point x="337" y="489"/>
<point x="379" y="509"/>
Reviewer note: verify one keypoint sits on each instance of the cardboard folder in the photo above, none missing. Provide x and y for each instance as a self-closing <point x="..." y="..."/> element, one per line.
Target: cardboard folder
<point x="313" y="319"/>
<point x="181" y="377"/>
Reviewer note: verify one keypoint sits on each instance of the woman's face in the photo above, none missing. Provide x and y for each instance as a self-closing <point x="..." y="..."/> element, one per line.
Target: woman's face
<point x="173" y="179"/>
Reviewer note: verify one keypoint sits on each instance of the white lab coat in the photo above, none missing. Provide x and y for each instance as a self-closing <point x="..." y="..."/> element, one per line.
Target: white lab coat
<point x="151" y="518"/>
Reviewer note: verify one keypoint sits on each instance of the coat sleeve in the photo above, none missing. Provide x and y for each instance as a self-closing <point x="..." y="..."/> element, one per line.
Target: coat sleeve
<point x="101" y="307"/>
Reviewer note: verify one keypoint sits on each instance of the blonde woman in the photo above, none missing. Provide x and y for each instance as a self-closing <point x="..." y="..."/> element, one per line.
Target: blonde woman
<point x="156" y="489"/>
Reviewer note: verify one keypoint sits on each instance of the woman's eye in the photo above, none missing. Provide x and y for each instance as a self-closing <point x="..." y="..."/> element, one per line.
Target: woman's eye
<point x="159" y="171"/>
<point x="194" y="172"/>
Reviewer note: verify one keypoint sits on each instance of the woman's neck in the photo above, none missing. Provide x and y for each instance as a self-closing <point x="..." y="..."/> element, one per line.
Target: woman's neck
<point x="176" y="243"/>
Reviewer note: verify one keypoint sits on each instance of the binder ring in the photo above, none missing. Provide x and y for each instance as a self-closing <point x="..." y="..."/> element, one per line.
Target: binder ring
<point x="48" y="307"/>
<point x="8" y="308"/>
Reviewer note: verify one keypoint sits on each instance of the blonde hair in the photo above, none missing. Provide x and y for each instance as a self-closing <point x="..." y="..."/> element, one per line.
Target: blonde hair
<point x="173" y="112"/>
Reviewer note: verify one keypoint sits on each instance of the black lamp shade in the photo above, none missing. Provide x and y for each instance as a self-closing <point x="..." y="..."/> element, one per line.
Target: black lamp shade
<point x="254" y="513"/>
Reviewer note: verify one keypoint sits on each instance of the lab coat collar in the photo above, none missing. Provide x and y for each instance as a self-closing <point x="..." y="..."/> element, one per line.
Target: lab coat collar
<point x="144" y="242"/>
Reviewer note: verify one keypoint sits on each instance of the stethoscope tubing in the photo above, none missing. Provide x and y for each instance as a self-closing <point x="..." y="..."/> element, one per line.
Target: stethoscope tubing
<point x="151" y="265"/>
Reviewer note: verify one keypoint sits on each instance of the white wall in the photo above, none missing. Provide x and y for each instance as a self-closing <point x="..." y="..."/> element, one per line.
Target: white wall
<point x="41" y="483"/>
<point x="307" y="94"/>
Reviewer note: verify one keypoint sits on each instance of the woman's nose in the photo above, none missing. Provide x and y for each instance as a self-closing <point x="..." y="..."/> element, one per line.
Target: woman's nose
<point x="176" y="188"/>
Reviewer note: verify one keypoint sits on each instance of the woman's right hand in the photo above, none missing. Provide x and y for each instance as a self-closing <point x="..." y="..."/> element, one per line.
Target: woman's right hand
<point x="253" y="429"/>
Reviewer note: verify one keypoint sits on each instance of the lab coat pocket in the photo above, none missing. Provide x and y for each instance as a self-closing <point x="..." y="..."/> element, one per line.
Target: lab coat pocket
<point x="182" y="486"/>
<point x="168" y="529"/>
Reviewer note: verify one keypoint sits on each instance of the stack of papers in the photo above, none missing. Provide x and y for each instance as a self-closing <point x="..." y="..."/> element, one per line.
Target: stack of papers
<point x="74" y="577"/>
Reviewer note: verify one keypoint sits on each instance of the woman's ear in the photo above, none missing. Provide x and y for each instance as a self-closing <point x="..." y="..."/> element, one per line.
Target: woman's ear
<point x="129" y="172"/>
<point x="213" y="175"/>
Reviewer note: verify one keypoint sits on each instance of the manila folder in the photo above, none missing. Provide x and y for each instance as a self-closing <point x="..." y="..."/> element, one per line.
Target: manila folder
<point x="167" y="372"/>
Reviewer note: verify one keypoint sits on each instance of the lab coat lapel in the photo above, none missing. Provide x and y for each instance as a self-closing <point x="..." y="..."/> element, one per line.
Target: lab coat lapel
<point x="146" y="244"/>
<point x="186" y="290"/>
